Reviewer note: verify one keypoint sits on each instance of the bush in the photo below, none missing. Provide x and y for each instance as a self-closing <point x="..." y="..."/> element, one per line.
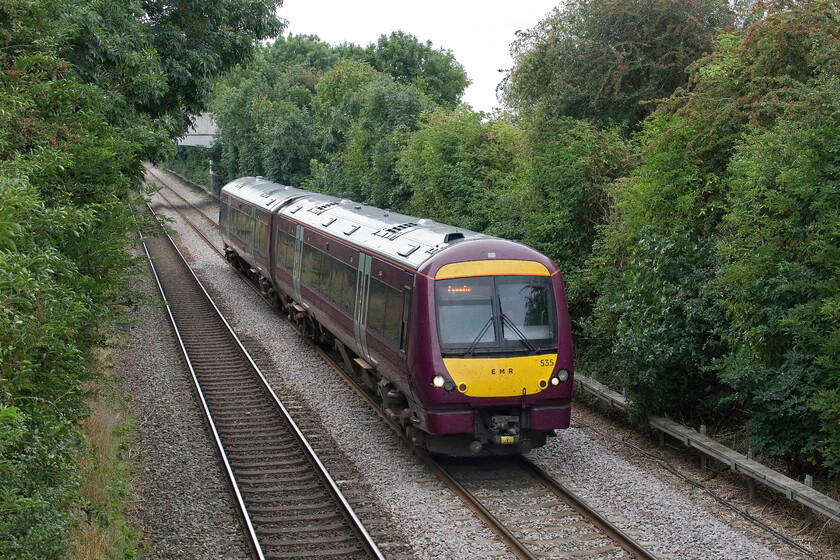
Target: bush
<point x="455" y="166"/>
<point x="716" y="274"/>
<point x="782" y="251"/>
<point x="193" y="162"/>
<point x="78" y="100"/>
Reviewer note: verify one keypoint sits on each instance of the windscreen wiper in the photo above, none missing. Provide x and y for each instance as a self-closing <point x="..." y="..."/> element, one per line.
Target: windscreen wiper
<point x="521" y="336"/>
<point x="471" y="349"/>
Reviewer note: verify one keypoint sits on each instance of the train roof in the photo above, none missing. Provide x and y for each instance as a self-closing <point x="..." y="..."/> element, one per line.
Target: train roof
<point x="263" y="193"/>
<point x="404" y="239"/>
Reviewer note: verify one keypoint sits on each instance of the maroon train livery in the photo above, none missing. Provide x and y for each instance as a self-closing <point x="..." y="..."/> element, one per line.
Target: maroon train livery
<point x="464" y="337"/>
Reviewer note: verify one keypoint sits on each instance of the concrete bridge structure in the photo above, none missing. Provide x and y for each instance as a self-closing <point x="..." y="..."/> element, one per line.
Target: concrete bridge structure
<point x="201" y="133"/>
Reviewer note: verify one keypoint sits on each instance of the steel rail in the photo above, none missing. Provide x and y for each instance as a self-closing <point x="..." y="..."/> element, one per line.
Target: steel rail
<point x="192" y="225"/>
<point x="516" y="547"/>
<point x="624" y="540"/>
<point x="212" y="220"/>
<point x="253" y="541"/>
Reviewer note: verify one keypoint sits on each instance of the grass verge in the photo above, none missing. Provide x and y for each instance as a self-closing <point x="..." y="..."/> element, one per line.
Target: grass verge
<point x="105" y="532"/>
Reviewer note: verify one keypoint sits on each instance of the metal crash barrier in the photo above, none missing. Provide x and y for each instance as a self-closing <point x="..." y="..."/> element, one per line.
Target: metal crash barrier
<point x="750" y="468"/>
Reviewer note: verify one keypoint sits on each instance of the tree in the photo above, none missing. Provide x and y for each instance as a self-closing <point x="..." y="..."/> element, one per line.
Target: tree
<point x="80" y="85"/>
<point x="781" y="245"/>
<point x="609" y="60"/>
<point x="265" y="111"/>
<point x="455" y="166"/>
<point x="66" y="180"/>
<point x="434" y="72"/>
<point x="654" y="320"/>
<point x="159" y="57"/>
<point x="567" y="170"/>
<point x="716" y="273"/>
<point x="362" y="167"/>
<point x="338" y="101"/>
<point x="331" y="118"/>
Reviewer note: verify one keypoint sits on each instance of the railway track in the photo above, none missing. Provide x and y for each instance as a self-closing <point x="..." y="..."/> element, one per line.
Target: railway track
<point x="531" y="514"/>
<point x="539" y="516"/>
<point x="291" y="507"/>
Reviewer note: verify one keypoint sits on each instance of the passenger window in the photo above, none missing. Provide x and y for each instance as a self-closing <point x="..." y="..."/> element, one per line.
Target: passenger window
<point x="385" y="311"/>
<point x="280" y="250"/>
<point x="340" y="285"/>
<point x="260" y="234"/>
<point x="310" y="266"/>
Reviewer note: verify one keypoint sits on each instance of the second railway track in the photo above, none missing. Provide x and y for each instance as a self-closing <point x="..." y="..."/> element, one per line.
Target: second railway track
<point x="287" y="497"/>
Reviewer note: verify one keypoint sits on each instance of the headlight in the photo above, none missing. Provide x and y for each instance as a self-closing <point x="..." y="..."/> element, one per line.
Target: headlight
<point x="563" y="375"/>
<point x="440" y="381"/>
<point x="555" y="382"/>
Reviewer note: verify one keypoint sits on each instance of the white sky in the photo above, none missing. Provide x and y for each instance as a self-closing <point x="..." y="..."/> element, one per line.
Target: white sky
<point x="478" y="32"/>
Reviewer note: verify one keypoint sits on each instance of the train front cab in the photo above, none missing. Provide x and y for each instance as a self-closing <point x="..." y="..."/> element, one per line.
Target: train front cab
<point x="498" y="379"/>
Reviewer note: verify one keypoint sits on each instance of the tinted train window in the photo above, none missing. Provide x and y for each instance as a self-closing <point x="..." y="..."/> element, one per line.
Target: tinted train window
<point x="285" y="251"/>
<point x="494" y="314"/>
<point x="241" y="225"/>
<point x="260" y="235"/>
<point x="465" y="312"/>
<point x="385" y="311"/>
<point x="311" y="267"/>
<point x="336" y="281"/>
<point x="331" y="277"/>
<point x="342" y="285"/>
<point x="235" y="222"/>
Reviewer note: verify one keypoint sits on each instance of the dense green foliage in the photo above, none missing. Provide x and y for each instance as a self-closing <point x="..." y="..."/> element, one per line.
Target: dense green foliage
<point x="780" y="270"/>
<point x="717" y="274"/>
<point x="331" y="117"/>
<point x="192" y="162"/>
<point x="607" y="60"/>
<point x="79" y="87"/>
<point x="456" y="167"/>
<point x="400" y="55"/>
<point x="566" y="172"/>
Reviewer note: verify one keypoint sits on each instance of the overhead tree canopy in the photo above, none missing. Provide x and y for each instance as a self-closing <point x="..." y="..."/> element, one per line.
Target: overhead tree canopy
<point x="160" y="57"/>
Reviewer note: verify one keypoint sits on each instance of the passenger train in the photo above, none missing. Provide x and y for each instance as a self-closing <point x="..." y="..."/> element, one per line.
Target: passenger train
<point x="464" y="337"/>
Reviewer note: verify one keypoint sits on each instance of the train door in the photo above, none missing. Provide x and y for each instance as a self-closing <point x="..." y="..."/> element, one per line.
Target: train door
<point x="360" y="314"/>
<point x="224" y="211"/>
<point x="298" y="261"/>
<point x="259" y="239"/>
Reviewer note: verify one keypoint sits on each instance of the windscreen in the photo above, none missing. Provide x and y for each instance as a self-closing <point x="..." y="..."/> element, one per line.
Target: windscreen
<point x="496" y="314"/>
